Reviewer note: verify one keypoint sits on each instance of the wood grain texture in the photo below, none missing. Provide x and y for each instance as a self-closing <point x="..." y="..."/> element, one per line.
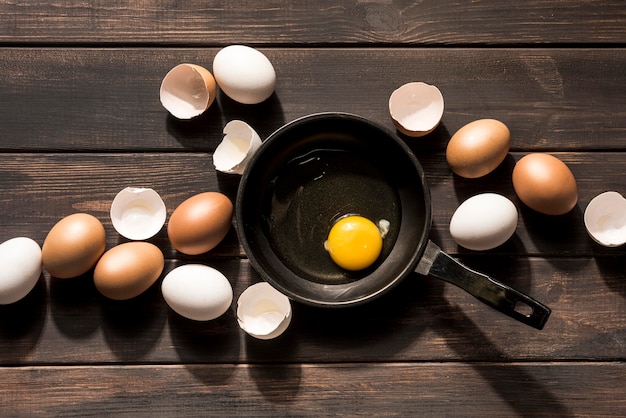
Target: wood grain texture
<point x="422" y="22"/>
<point x="66" y="322"/>
<point x="81" y="119"/>
<point x="89" y="99"/>
<point x="41" y="188"/>
<point x="492" y="389"/>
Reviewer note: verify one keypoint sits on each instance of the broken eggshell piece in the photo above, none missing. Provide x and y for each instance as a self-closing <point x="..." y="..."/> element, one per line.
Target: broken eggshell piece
<point x="263" y="312"/>
<point x="138" y="213"/>
<point x="239" y="144"/>
<point x="605" y="219"/>
<point x="416" y="108"/>
<point x="187" y="90"/>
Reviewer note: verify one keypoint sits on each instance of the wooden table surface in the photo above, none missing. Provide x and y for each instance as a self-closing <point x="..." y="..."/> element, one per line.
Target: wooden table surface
<point x="81" y="119"/>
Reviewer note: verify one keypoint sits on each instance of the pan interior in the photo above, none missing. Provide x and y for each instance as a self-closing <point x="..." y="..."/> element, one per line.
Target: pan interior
<point x="312" y="172"/>
<point x="311" y="192"/>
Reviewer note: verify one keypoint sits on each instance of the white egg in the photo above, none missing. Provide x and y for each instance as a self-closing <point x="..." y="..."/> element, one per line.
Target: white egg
<point x="20" y="268"/>
<point x="484" y="221"/>
<point x="244" y="74"/>
<point x="197" y="292"/>
<point x="263" y="312"/>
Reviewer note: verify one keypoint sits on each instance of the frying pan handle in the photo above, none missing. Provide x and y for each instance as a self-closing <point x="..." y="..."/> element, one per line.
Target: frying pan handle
<point x="507" y="300"/>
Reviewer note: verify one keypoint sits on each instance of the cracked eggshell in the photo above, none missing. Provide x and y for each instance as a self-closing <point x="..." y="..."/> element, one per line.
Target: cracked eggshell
<point x="416" y="108"/>
<point x="197" y="292"/>
<point x="187" y="90"/>
<point x="244" y="74"/>
<point x="605" y="219"/>
<point x="138" y="213"/>
<point x="263" y="312"/>
<point x="20" y="268"/>
<point x="239" y="144"/>
<point x="484" y="221"/>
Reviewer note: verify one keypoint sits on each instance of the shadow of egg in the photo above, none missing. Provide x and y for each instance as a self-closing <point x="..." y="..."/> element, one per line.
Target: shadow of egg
<point x="613" y="270"/>
<point x="497" y="181"/>
<point x="198" y="342"/>
<point x="433" y="142"/>
<point x="264" y="117"/>
<point x="21" y="324"/>
<point x="75" y="305"/>
<point x="133" y="327"/>
<point x="556" y="235"/>
<point x="278" y="383"/>
<point x="213" y="341"/>
<point x="228" y="184"/>
<point x="202" y="133"/>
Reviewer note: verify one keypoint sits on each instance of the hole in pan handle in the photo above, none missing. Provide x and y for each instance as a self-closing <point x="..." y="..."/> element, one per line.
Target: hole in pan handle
<point x="505" y="299"/>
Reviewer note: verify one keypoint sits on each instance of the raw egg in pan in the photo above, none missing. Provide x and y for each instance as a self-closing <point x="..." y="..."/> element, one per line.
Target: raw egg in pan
<point x="355" y="242"/>
<point x="314" y="191"/>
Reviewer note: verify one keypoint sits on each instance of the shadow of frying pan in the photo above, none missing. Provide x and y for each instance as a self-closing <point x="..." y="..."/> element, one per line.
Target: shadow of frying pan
<point x="514" y="384"/>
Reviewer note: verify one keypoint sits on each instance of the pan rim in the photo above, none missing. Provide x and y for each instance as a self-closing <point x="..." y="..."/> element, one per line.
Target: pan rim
<point x="405" y="266"/>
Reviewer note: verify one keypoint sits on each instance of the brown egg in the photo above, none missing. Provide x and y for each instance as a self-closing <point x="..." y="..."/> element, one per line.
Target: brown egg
<point x="127" y="270"/>
<point x="201" y="222"/>
<point x="544" y="183"/>
<point x="478" y="148"/>
<point x="73" y="246"/>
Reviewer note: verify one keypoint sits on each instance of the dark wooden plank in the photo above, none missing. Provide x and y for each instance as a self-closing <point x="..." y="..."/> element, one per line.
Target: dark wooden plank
<point x="423" y="319"/>
<point x="498" y="389"/>
<point x="108" y="99"/>
<point x="424" y="22"/>
<point x="40" y="189"/>
<point x="81" y="119"/>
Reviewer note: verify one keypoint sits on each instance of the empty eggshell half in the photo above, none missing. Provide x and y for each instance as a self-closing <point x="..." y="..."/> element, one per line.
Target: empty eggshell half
<point x="416" y="108"/>
<point x="138" y="213"/>
<point x="605" y="219"/>
<point x="263" y="312"/>
<point x="239" y="144"/>
<point x="187" y="90"/>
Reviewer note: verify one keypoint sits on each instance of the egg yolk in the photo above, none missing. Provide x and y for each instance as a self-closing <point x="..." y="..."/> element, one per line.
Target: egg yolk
<point x="354" y="243"/>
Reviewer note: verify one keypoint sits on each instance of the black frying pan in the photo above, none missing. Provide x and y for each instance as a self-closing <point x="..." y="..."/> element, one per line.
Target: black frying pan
<point x="321" y="167"/>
